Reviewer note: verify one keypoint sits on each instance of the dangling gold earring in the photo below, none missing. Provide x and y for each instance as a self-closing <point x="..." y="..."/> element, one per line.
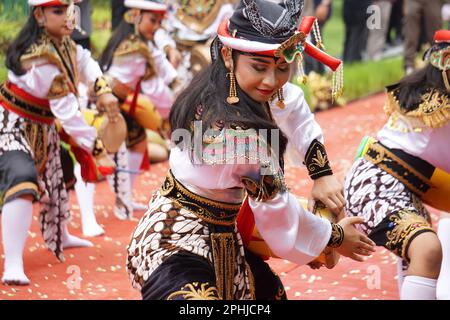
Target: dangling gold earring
<point x="232" y="97"/>
<point x="40" y="19"/>
<point x="133" y="16"/>
<point x="280" y="102"/>
<point x="444" y="76"/>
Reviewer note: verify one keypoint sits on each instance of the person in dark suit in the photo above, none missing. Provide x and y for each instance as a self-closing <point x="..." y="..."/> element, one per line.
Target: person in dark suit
<point x="355" y="18"/>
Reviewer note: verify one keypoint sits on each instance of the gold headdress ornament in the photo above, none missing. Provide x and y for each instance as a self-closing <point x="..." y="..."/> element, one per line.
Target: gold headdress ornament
<point x="440" y="59"/>
<point x="73" y="11"/>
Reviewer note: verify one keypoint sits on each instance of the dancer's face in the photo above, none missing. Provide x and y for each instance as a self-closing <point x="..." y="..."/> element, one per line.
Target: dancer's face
<point x="150" y="22"/>
<point x="258" y="76"/>
<point x="54" y="20"/>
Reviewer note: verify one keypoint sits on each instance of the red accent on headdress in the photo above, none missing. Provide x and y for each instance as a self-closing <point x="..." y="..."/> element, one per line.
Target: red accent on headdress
<point x="54" y="3"/>
<point x="312" y="50"/>
<point x="442" y="36"/>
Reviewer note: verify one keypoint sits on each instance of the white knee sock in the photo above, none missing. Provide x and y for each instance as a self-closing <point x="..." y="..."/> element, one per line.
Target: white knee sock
<point x="16" y="221"/>
<point x="443" y="285"/>
<point x="134" y="161"/>
<point x="85" y="196"/>
<point x="70" y="241"/>
<point x="418" y="288"/>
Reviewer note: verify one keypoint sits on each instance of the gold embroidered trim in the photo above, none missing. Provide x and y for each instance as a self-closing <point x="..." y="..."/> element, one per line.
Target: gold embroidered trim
<point x="266" y="189"/>
<point x="316" y="160"/>
<point x="59" y="88"/>
<point x="224" y="213"/>
<point x="433" y="112"/>
<point x="101" y="86"/>
<point x="337" y="236"/>
<point x="198" y="15"/>
<point x="379" y="160"/>
<point x="63" y="57"/>
<point x="15" y="101"/>
<point x="223" y="249"/>
<point x="19" y="187"/>
<point x="133" y="44"/>
<point x="292" y="41"/>
<point x="196" y="291"/>
<point x="406" y="224"/>
<point x="36" y="135"/>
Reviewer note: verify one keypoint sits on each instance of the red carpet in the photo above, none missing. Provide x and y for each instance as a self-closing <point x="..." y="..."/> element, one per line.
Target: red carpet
<point x="102" y="269"/>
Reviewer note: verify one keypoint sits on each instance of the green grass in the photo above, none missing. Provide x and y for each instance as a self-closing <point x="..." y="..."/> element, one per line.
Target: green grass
<point x="3" y="71"/>
<point x="101" y="20"/>
<point x="360" y="79"/>
<point x="334" y="31"/>
<point x="370" y="77"/>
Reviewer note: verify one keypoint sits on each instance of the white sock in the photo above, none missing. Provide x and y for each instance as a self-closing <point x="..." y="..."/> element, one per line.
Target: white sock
<point x="443" y="284"/>
<point x="70" y="241"/>
<point x="418" y="288"/>
<point x="134" y="162"/>
<point x="16" y="221"/>
<point x="85" y="195"/>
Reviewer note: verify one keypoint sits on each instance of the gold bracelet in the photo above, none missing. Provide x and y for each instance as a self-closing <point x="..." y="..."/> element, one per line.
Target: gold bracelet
<point x="101" y="86"/>
<point x="337" y="236"/>
<point x="98" y="148"/>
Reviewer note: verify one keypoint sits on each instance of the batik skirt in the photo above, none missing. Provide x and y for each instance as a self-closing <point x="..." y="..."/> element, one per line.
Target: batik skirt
<point x="393" y="215"/>
<point x="30" y="163"/>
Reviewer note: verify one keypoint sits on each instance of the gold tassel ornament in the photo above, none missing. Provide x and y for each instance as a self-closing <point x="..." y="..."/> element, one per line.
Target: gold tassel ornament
<point x="232" y="97"/>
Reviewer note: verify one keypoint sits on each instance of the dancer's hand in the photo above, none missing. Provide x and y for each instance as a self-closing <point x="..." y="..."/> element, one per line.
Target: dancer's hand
<point x="109" y="103"/>
<point x="355" y="244"/>
<point x="328" y="190"/>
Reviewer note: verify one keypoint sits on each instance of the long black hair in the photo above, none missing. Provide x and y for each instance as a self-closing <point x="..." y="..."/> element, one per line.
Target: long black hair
<point x="209" y="89"/>
<point x="122" y="31"/>
<point x="29" y="34"/>
<point x="411" y="88"/>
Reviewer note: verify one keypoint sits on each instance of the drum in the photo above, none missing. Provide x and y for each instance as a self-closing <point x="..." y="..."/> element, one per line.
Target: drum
<point x="111" y="134"/>
<point x="145" y="112"/>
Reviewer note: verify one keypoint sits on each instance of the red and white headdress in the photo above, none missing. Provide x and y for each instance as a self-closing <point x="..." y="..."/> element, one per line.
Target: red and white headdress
<point x="439" y="54"/>
<point x="132" y="15"/>
<point x="264" y="28"/>
<point x="51" y="3"/>
<point x="148" y="5"/>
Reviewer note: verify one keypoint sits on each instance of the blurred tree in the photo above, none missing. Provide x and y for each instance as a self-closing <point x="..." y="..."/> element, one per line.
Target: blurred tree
<point x="11" y="9"/>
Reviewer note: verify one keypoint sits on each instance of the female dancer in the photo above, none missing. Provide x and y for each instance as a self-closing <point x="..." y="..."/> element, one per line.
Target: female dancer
<point x="407" y="167"/>
<point x="44" y="66"/>
<point x="189" y="234"/>
<point x="140" y="77"/>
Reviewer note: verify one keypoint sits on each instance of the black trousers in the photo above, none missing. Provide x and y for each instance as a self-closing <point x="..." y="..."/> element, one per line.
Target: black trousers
<point x="355" y="42"/>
